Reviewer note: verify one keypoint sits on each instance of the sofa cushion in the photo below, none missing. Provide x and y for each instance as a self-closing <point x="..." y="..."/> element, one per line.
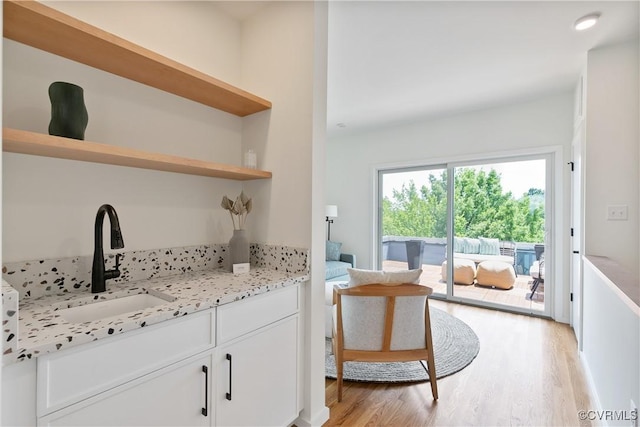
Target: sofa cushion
<point x="479" y="258"/>
<point x="333" y="251"/>
<point x="328" y="290"/>
<point x="362" y="277"/>
<point x="489" y="246"/>
<point x="335" y="269"/>
<point x="471" y="246"/>
<point x="458" y="244"/>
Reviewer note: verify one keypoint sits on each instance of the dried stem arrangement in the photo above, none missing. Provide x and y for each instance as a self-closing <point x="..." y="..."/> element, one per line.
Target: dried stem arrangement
<point x="238" y="209"/>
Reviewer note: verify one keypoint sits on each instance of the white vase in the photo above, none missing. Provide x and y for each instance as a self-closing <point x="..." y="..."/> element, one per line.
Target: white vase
<point x="239" y="247"/>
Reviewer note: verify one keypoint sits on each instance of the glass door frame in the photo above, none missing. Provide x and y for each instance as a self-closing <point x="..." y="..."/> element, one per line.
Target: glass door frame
<point x="553" y="220"/>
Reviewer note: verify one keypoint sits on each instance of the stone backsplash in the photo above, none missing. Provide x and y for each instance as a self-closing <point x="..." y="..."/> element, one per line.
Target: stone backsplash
<point x="36" y="278"/>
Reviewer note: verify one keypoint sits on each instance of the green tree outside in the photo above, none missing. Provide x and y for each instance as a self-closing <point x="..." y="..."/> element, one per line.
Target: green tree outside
<point x="481" y="209"/>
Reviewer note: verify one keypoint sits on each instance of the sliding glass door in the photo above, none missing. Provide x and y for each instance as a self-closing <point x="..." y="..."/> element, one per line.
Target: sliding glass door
<point x="413" y="222"/>
<point x="499" y="232"/>
<point x="477" y="229"/>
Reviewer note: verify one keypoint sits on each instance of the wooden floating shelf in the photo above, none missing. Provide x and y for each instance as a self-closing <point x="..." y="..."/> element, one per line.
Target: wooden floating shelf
<point x="42" y="27"/>
<point x="25" y="142"/>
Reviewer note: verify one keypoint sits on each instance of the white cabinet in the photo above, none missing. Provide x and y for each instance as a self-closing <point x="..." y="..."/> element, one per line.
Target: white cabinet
<point x="257" y="378"/>
<point x="174" y="373"/>
<point x="257" y="360"/>
<point x="70" y="376"/>
<point x="177" y="395"/>
<point x="18" y="396"/>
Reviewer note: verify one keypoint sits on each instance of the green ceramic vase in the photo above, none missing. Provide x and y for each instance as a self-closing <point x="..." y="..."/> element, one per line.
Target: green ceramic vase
<point x="69" y="115"/>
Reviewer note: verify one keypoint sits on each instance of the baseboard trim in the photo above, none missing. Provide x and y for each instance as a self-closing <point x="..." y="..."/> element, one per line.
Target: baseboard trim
<point x="320" y="418"/>
<point x="591" y="386"/>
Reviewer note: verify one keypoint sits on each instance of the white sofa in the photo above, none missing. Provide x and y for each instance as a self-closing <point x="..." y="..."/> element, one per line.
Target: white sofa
<point x="483" y="249"/>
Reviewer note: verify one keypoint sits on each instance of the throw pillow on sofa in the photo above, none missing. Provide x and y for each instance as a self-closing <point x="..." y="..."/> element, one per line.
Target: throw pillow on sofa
<point x="333" y="251"/>
<point x="362" y="277"/>
<point x="458" y="244"/>
<point x="489" y="246"/>
<point x="471" y="246"/>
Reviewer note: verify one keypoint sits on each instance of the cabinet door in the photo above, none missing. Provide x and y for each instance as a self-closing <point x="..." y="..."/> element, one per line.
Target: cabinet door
<point x="257" y="377"/>
<point x="174" y="396"/>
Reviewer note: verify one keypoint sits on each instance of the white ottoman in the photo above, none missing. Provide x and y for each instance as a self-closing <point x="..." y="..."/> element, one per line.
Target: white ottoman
<point x="464" y="271"/>
<point x="496" y="273"/>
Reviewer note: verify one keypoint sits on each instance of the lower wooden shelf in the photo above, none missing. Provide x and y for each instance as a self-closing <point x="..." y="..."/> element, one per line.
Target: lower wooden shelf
<point x="25" y="142"/>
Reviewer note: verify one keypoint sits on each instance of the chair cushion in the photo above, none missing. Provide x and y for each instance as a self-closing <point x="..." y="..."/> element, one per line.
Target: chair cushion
<point x="333" y="251"/>
<point x="362" y="277"/>
<point x="335" y="269"/>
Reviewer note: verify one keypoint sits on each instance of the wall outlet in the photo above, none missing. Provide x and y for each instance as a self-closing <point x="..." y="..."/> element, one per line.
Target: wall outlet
<point x="634" y="414"/>
<point x="617" y="212"/>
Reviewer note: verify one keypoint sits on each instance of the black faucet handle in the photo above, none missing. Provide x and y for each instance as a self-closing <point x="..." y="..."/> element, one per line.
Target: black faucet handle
<point x="112" y="274"/>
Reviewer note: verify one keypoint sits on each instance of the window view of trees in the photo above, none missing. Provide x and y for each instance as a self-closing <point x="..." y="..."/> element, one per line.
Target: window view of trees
<point x="481" y="208"/>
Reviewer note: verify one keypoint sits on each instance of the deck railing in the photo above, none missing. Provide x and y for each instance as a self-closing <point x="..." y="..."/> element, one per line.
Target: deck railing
<point x="394" y="248"/>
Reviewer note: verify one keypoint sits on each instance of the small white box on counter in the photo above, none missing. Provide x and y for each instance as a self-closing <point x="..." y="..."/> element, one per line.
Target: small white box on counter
<point x="241" y="268"/>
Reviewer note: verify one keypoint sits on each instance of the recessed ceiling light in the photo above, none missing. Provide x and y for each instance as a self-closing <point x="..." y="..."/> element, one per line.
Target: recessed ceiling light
<point x="586" y="22"/>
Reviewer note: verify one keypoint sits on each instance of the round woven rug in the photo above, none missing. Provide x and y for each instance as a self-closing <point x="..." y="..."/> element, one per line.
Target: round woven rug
<point x="455" y="345"/>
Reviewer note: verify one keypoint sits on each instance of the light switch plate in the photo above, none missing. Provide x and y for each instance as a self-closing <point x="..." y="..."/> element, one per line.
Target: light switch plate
<point x="617" y="212"/>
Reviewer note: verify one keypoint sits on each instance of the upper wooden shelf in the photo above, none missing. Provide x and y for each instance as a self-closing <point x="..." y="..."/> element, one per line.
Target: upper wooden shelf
<point x="25" y="142"/>
<point x="42" y="27"/>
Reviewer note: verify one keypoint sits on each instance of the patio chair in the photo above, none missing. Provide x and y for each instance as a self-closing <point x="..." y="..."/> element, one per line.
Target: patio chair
<point x="537" y="270"/>
<point x="383" y="323"/>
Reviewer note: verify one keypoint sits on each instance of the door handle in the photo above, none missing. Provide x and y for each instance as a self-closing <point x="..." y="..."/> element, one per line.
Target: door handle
<point x="205" y="410"/>
<point x="230" y="375"/>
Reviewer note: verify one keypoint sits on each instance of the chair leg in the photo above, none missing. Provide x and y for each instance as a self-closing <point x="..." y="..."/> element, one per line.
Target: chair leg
<point x="431" y="362"/>
<point x="432" y="376"/>
<point x="536" y="282"/>
<point x="339" y="366"/>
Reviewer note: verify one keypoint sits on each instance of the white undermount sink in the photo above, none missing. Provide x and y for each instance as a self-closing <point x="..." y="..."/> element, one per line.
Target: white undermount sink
<point x="113" y="307"/>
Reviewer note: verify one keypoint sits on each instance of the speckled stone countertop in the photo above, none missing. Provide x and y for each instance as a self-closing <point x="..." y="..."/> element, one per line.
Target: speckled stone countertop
<point x="42" y="330"/>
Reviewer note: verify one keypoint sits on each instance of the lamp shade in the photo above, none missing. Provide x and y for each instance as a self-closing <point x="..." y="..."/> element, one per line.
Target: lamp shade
<point x="331" y="211"/>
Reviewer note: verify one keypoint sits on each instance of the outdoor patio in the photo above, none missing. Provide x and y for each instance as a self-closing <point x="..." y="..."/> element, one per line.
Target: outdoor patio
<point x="514" y="297"/>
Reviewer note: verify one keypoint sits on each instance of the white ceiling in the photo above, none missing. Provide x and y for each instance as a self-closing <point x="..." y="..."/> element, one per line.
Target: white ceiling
<point x="392" y="61"/>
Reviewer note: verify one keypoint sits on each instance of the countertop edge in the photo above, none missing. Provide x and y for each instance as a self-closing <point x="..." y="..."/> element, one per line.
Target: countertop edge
<point x="94" y="331"/>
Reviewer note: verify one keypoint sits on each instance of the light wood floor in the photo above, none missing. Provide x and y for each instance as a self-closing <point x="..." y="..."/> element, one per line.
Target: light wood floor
<point x="527" y="373"/>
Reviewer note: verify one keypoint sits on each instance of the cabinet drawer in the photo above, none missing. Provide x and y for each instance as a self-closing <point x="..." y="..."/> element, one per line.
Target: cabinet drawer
<point x="238" y="318"/>
<point x="68" y="376"/>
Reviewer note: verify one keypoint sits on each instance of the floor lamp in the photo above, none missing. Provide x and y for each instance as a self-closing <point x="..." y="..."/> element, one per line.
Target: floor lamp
<point x="331" y="211"/>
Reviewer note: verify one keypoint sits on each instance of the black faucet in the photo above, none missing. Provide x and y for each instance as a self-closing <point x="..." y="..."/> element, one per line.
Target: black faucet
<point x="98" y="274"/>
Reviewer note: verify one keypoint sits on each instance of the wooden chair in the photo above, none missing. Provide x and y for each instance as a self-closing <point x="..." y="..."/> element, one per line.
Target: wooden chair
<point x="382" y="323"/>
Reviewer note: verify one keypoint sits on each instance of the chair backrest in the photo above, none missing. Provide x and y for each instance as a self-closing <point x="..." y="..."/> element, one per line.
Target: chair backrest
<point x="382" y="317"/>
<point x="508" y="248"/>
<point x="539" y="251"/>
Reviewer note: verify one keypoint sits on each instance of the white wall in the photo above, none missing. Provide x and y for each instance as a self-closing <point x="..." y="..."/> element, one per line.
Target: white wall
<point x="612" y="160"/>
<point x="351" y="160"/>
<point x="611" y="332"/>
<point x="280" y="66"/>
<point x="286" y="42"/>
<point x="49" y="205"/>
